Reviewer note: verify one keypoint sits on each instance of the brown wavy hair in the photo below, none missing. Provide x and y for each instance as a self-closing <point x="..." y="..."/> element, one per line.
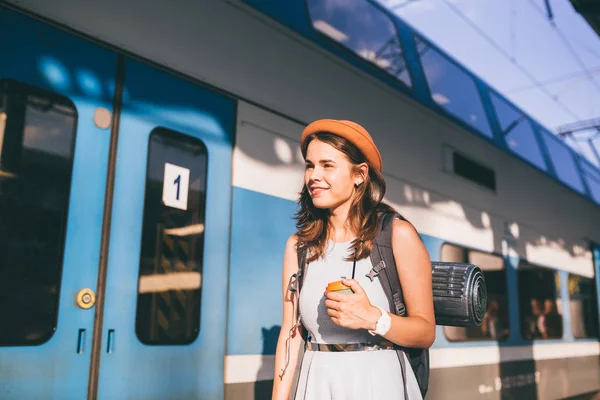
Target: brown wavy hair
<point x="312" y="223"/>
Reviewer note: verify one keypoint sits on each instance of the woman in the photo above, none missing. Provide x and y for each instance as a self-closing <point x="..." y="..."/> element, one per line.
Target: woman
<point x="551" y="321"/>
<point x="493" y="325"/>
<point x="340" y="206"/>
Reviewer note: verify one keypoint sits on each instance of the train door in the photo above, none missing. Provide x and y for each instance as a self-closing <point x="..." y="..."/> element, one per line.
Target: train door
<point x="163" y="333"/>
<point x="56" y="99"/>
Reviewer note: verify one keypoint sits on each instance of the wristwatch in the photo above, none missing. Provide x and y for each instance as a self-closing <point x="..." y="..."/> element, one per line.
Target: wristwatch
<point x="384" y="323"/>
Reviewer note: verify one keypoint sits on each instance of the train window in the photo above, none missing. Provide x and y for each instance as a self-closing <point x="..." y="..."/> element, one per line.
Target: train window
<point x="592" y="178"/>
<point x="495" y="324"/>
<point x="364" y="29"/>
<point x="539" y="302"/>
<point x="517" y="131"/>
<point x="169" y="286"/>
<point x="452" y="88"/>
<point x="587" y="148"/>
<point x="563" y="161"/>
<point x="584" y="307"/>
<point x="37" y="138"/>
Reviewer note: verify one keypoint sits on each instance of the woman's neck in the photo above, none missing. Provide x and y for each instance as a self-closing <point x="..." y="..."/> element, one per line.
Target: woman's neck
<point x="338" y="219"/>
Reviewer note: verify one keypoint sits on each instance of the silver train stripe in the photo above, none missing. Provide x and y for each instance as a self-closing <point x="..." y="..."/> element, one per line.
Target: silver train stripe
<point x="256" y="367"/>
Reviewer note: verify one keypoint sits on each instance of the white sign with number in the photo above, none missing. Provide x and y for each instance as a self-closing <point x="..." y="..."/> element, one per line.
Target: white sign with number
<point x="175" y="186"/>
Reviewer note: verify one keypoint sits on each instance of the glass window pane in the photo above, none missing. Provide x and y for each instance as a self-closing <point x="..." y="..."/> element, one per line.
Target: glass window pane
<point x="364" y="29"/>
<point x="495" y="325"/>
<point x="592" y="178"/>
<point x="584" y="307"/>
<point x="169" y="288"/>
<point x="563" y="162"/>
<point x="452" y="88"/>
<point x="539" y="302"/>
<point x="585" y="147"/>
<point x="595" y="143"/>
<point x="37" y="138"/>
<point x="517" y="131"/>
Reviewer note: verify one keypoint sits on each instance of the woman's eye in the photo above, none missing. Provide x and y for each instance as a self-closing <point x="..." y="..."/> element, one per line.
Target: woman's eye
<point x="328" y="165"/>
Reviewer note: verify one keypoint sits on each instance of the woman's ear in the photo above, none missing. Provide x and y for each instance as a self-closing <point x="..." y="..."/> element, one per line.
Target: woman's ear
<point x="362" y="172"/>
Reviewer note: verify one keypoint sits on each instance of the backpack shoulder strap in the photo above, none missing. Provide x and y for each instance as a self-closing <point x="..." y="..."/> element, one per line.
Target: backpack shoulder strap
<point x="294" y="286"/>
<point x="384" y="265"/>
<point x="382" y="257"/>
<point x="301" y="250"/>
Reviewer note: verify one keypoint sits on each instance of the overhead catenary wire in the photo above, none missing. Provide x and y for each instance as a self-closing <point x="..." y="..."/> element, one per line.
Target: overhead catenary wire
<point x="511" y="24"/>
<point x="558" y="79"/>
<point x="494" y="44"/>
<point x="568" y="45"/>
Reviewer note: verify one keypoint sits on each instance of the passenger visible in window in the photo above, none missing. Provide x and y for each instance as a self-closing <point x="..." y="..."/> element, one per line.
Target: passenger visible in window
<point x="532" y="322"/>
<point x="551" y="321"/>
<point x="494" y="325"/>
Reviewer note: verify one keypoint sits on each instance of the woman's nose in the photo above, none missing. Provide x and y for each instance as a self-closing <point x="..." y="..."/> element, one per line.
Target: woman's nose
<point x="315" y="174"/>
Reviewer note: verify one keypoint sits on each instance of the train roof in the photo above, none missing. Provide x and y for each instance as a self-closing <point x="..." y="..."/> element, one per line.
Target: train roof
<point x="376" y="40"/>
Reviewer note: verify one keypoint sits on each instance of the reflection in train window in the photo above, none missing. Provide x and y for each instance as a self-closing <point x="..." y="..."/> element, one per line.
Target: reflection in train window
<point x="495" y="325"/>
<point x="364" y="29"/>
<point x="563" y="161"/>
<point x="585" y="146"/>
<point x="539" y="302"/>
<point x="517" y="131"/>
<point x="452" y="88"/>
<point x="37" y="139"/>
<point x="170" y="278"/>
<point x="592" y="178"/>
<point x="584" y="307"/>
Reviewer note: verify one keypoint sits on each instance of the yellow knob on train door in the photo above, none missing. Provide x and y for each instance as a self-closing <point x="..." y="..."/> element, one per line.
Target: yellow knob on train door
<point x="85" y="298"/>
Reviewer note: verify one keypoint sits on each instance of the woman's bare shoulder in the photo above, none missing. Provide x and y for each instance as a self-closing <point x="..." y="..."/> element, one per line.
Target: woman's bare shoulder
<point x="290" y="261"/>
<point x="290" y="245"/>
<point x="403" y="230"/>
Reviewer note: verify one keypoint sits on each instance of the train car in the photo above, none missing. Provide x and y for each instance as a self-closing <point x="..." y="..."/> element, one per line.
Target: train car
<point x="150" y="168"/>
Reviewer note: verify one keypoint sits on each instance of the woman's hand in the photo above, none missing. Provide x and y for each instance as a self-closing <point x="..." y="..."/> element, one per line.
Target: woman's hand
<point x="353" y="311"/>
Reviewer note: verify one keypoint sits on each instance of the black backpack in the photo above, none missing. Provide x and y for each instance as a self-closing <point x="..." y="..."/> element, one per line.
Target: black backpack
<point x="382" y="258"/>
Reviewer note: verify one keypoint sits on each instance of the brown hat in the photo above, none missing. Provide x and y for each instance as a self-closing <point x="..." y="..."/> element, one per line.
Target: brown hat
<point x="351" y="131"/>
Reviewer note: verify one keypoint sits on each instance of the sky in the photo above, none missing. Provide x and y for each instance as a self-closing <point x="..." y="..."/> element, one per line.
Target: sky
<point x="548" y="68"/>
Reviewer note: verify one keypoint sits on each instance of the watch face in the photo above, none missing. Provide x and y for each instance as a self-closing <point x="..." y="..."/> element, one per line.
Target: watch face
<point x="384" y="323"/>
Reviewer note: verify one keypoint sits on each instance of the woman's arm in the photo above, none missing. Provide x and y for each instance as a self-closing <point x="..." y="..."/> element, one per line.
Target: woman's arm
<point x="282" y="385"/>
<point x="417" y="329"/>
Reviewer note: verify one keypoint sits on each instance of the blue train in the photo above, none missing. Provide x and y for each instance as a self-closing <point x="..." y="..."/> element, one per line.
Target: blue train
<point x="149" y="168"/>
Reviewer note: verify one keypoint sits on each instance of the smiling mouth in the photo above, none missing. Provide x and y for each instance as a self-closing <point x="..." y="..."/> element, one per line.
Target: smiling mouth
<point x="317" y="191"/>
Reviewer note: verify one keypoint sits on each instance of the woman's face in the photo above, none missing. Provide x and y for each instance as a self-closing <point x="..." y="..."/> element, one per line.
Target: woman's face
<point x="328" y="175"/>
<point x="548" y="306"/>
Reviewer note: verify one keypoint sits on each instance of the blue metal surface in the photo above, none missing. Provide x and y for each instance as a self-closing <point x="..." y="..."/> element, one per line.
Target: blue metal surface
<point x="133" y="370"/>
<point x="38" y="55"/>
<point x="262" y="226"/>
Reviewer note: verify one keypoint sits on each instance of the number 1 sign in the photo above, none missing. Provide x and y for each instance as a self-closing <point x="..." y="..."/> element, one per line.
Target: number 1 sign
<point x="175" y="186"/>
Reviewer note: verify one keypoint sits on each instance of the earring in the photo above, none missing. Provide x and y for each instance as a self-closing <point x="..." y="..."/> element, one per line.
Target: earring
<point x="356" y="185"/>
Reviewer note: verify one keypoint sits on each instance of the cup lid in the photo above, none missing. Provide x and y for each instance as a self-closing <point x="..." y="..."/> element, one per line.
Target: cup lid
<point x="335" y="286"/>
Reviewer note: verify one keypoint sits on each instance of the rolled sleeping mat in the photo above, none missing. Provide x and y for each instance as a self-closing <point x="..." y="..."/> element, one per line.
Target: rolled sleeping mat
<point x="459" y="294"/>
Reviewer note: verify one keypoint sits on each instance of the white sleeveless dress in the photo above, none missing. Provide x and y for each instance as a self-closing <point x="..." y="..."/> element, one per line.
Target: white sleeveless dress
<point x="356" y="375"/>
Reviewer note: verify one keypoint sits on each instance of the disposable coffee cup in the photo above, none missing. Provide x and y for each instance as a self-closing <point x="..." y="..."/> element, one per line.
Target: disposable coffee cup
<point x="338" y="287"/>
